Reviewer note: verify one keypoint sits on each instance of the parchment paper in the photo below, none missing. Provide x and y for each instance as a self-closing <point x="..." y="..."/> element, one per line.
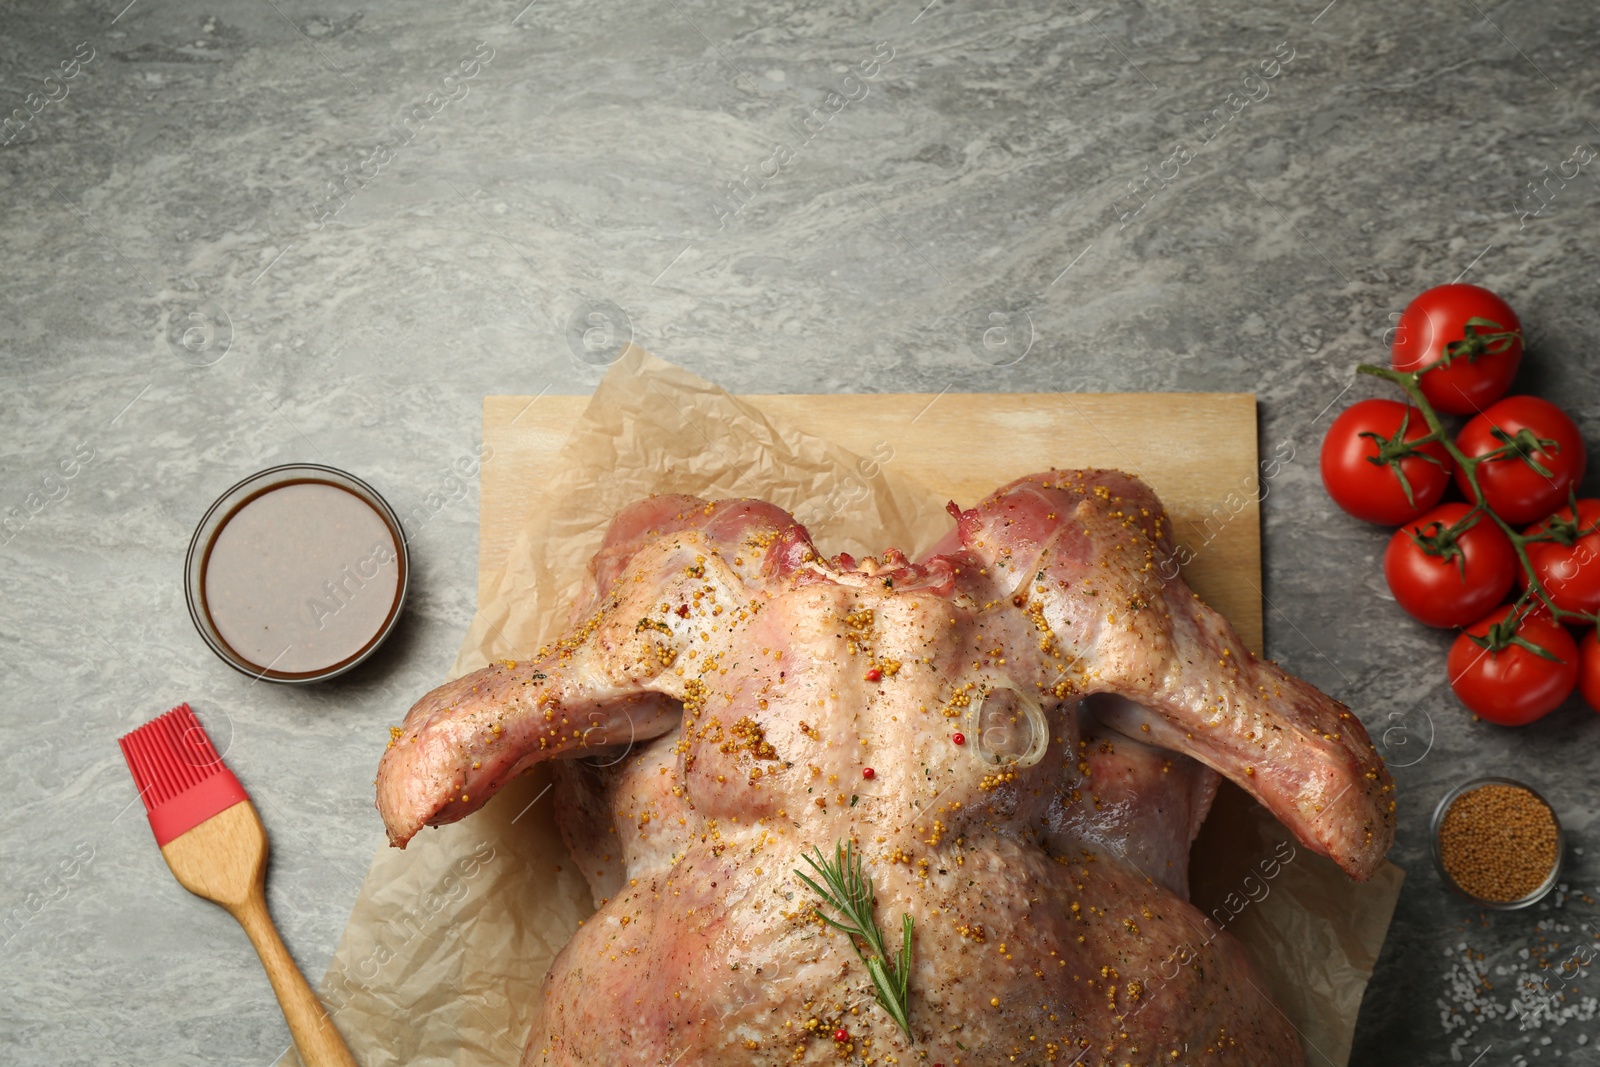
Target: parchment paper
<point x="449" y="939"/>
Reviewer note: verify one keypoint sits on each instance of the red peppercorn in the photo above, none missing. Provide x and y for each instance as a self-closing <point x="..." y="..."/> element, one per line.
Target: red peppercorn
<point x="874" y="675"/>
<point x="867" y="772"/>
<point x="841" y="1034"/>
<point x="959" y="739"/>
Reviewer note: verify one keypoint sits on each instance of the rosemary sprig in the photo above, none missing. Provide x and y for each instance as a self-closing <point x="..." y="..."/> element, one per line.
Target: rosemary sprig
<point x="849" y="893"/>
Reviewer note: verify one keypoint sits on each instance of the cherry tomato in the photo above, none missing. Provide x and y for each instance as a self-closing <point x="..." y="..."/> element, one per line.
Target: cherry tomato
<point x="1589" y="669"/>
<point x="1515" y="685"/>
<point x="1516" y="491"/>
<point x="1570" y="573"/>
<point x="1477" y="335"/>
<point x="1359" y="463"/>
<point x="1445" y="582"/>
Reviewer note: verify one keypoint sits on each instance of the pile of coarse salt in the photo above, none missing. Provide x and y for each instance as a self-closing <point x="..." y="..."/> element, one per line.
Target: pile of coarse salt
<point x="1539" y="988"/>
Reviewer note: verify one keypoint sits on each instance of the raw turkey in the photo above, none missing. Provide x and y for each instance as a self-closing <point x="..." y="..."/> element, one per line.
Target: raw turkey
<point x="1019" y="735"/>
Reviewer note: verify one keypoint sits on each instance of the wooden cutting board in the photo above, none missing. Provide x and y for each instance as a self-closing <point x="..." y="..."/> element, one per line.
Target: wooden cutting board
<point x="1196" y="450"/>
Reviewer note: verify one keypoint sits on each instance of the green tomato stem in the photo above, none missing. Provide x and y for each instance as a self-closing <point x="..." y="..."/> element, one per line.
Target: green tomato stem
<point x="1411" y="383"/>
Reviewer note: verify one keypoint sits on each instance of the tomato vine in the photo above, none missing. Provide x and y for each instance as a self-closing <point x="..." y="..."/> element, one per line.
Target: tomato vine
<point x="1520" y="446"/>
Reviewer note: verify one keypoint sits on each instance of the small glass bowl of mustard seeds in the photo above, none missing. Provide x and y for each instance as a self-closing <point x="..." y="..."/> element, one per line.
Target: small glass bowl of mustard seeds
<point x="1498" y="843"/>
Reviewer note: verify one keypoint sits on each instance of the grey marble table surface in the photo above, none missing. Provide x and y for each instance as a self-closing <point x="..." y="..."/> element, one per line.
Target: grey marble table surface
<point x="240" y="234"/>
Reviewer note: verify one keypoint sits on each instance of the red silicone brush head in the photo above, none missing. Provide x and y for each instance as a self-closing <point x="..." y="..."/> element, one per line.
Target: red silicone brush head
<point x="181" y="778"/>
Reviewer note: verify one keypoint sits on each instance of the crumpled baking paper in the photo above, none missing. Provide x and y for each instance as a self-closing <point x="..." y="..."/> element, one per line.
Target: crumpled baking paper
<point x="449" y="939"/>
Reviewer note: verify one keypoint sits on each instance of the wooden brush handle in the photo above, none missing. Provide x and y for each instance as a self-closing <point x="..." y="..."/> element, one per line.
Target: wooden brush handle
<point x="318" y="1043"/>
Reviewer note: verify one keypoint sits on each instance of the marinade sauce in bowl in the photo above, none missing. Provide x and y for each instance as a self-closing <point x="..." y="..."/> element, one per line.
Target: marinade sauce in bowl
<point x="297" y="573"/>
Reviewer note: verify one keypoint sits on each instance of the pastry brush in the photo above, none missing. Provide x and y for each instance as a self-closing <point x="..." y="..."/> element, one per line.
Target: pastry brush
<point x="215" y="844"/>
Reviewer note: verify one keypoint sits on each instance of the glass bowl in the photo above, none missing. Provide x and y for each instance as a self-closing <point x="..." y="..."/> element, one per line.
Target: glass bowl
<point x="360" y="633"/>
<point x="1543" y="888"/>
